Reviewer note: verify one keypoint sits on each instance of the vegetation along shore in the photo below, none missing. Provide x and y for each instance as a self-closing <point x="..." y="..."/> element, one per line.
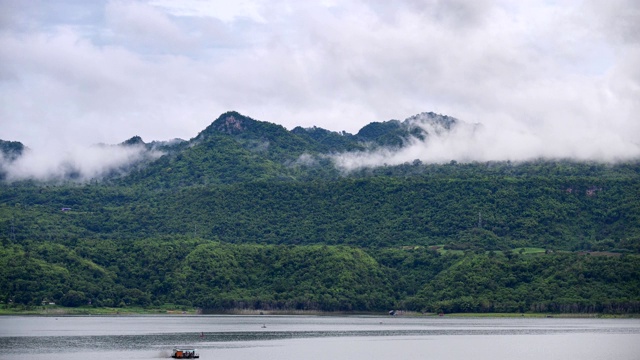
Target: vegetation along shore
<point x="251" y="217"/>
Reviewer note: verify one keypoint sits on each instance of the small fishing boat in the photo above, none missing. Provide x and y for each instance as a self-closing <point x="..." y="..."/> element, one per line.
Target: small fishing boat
<point x="185" y="353"/>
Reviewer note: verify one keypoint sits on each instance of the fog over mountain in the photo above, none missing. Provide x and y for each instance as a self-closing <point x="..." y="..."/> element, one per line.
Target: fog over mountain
<point x="74" y="162"/>
<point x="430" y="138"/>
<point x="545" y="78"/>
<point x="466" y="142"/>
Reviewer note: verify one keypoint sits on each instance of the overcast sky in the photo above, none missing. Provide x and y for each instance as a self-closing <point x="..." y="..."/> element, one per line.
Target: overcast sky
<point x="549" y="74"/>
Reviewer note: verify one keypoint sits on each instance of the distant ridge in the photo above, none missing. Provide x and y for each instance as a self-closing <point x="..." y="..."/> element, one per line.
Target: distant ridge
<point x="236" y="148"/>
<point x="249" y="215"/>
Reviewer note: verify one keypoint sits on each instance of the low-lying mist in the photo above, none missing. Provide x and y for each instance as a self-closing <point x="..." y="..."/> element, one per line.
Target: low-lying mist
<point x="466" y="143"/>
<point x="75" y="162"/>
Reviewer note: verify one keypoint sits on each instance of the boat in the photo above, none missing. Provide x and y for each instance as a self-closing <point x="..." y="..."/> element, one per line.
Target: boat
<point x="185" y="353"/>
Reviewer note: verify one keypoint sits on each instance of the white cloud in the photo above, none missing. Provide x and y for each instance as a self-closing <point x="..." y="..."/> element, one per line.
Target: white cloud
<point x="470" y="143"/>
<point x="78" y="162"/>
<point x="145" y="28"/>
<point x="563" y="74"/>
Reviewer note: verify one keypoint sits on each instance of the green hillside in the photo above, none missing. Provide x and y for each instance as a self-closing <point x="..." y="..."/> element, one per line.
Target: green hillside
<point x="250" y="215"/>
<point x="490" y="213"/>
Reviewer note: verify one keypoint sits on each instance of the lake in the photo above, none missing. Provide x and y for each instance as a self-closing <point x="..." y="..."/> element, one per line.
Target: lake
<point x="318" y="337"/>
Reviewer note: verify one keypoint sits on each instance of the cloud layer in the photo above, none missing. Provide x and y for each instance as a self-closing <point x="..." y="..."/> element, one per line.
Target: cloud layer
<point x="479" y="143"/>
<point x="551" y="79"/>
<point x="78" y="163"/>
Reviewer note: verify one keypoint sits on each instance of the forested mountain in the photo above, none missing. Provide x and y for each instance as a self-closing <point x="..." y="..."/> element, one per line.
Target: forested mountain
<point x="250" y="214"/>
<point x="10" y="150"/>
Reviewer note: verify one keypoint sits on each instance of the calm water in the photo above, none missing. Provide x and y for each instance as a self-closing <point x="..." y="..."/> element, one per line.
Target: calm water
<point x="318" y="337"/>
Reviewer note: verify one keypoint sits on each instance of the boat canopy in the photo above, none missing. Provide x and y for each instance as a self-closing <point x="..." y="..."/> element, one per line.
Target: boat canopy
<point x="185" y="353"/>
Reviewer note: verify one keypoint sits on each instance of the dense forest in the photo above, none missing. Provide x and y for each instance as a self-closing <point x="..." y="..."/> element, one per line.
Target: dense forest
<point x="231" y="219"/>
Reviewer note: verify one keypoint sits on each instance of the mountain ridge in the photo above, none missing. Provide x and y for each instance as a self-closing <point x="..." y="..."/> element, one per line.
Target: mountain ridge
<point x="250" y="215"/>
<point x="261" y="149"/>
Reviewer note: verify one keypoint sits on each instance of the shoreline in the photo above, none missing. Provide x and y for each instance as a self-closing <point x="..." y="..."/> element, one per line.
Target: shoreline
<point x="86" y="311"/>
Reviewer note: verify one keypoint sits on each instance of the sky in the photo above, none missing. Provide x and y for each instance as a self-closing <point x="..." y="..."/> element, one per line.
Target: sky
<point x="545" y="78"/>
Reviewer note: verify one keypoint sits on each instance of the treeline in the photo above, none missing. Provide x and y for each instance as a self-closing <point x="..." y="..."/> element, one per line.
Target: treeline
<point x="472" y="213"/>
<point x="217" y="276"/>
<point x="568" y="283"/>
<point x="250" y="215"/>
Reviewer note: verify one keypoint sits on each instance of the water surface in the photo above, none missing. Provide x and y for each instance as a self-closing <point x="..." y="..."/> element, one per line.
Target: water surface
<point x="318" y="337"/>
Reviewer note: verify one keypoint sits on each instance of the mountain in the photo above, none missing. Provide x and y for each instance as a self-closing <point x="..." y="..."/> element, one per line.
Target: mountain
<point x="11" y="150"/>
<point x="325" y="141"/>
<point x="134" y="141"/>
<point x="235" y="148"/>
<point x="395" y="133"/>
<point x="250" y="215"/>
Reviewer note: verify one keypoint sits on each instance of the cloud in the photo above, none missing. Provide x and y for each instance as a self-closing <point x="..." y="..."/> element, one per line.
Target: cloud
<point x="479" y="143"/>
<point x="619" y="20"/>
<point x="67" y="89"/>
<point x="85" y="72"/>
<point x="75" y="162"/>
<point x="145" y="28"/>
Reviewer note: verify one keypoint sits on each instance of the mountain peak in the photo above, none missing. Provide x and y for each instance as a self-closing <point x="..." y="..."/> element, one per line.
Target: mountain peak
<point x="136" y="140"/>
<point x="231" y="123"/>
<point x="436" y="120"/>
<point x="11" y="150"/>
